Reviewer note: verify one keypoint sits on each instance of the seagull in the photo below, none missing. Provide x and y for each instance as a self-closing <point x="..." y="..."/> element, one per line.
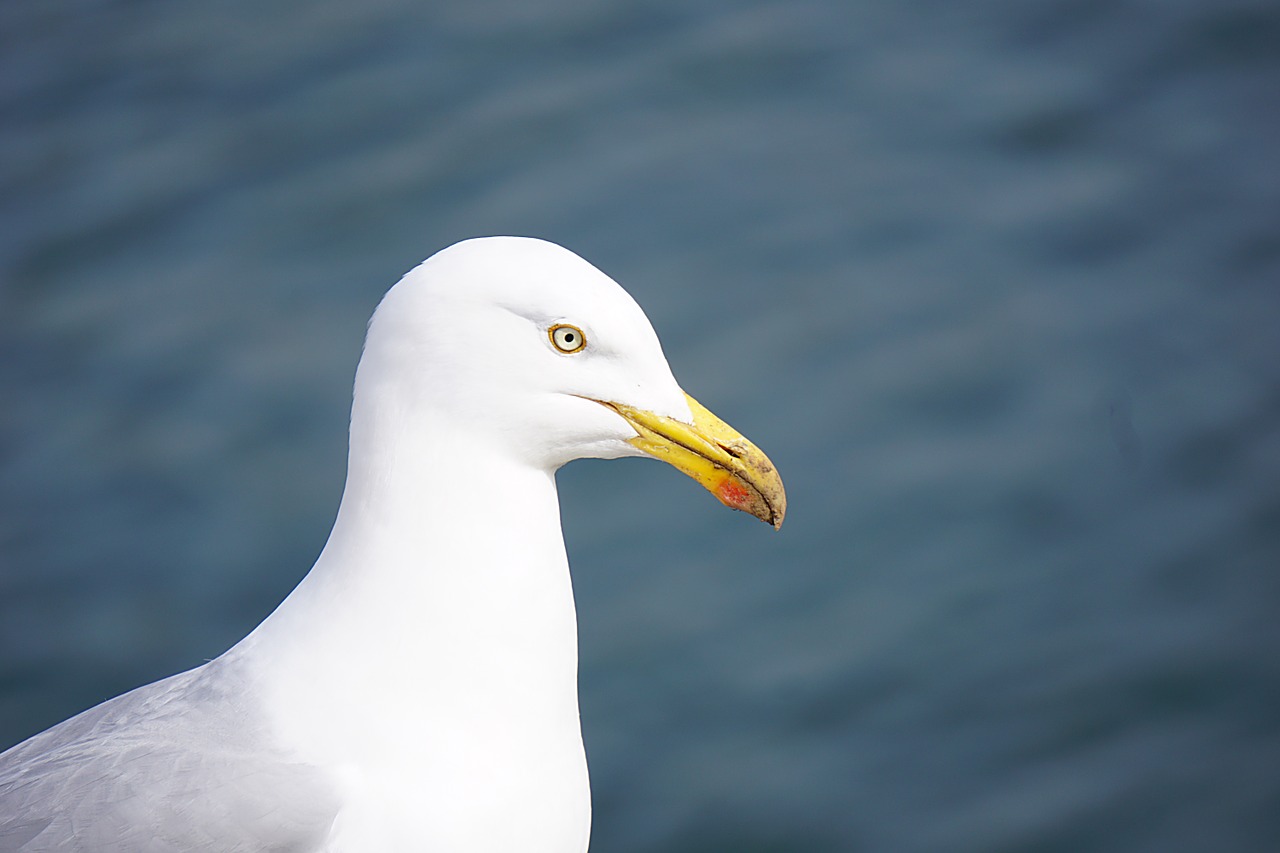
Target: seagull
<point x="417" y="691"/>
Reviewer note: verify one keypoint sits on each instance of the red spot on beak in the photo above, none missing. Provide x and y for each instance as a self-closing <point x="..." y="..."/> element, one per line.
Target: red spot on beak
<point x="733" y="494"/>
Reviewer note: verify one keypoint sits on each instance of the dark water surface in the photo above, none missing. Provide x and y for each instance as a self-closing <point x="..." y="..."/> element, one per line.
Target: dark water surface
<point x="996" y="284"/>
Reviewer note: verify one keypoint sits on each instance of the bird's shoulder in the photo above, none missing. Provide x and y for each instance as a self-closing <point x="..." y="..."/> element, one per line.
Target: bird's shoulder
<point x="184" y="763"/>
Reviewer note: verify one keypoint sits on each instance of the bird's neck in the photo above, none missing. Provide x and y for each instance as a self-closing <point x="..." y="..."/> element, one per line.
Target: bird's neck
<point x="441" y="602"/>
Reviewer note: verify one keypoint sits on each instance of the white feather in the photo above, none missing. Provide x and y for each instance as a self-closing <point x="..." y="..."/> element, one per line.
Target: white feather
<point x="418" y="690"/>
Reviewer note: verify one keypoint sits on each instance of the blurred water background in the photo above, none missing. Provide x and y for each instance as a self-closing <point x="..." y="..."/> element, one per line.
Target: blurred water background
<point x="994" y="283"/>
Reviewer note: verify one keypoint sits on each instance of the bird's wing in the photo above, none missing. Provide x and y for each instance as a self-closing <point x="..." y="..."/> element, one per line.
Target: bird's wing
<point x="182" y="764"/>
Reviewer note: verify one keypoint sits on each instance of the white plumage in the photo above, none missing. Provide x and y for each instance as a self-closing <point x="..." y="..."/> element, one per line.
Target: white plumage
<point x="418" y="690"/>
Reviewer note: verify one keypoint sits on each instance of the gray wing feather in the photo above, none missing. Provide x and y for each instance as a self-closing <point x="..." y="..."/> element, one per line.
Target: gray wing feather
<point x="182" y="764"/>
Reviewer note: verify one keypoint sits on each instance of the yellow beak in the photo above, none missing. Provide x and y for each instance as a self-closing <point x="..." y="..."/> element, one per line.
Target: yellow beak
<point x="716" y="455"/>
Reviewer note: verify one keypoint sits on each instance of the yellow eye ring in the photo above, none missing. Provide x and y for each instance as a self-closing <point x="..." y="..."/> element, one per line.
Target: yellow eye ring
<point x="566" y="338"/>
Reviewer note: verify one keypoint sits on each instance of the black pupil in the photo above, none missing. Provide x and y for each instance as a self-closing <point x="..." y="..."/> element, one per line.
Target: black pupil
<point x="568" y="337"/>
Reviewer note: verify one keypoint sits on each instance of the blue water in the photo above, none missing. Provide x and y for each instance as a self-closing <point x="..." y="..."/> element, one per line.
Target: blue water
<point x="996" y="285"/>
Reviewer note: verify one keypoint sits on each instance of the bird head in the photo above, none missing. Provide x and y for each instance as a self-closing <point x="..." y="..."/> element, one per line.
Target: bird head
<point x="522" y="344"/>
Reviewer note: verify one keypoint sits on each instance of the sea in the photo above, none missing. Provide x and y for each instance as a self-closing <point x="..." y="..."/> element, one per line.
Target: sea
<point x="996" y="285"/>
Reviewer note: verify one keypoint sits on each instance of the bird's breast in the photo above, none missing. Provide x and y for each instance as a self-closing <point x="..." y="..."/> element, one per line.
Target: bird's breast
<point x="492" y="797"/>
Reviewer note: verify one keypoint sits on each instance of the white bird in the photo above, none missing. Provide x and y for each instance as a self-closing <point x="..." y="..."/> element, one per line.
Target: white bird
<point x="418" y="689"/>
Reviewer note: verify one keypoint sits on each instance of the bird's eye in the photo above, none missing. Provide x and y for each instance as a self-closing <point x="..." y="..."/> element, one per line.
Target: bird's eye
<point x="567" y="338"/>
